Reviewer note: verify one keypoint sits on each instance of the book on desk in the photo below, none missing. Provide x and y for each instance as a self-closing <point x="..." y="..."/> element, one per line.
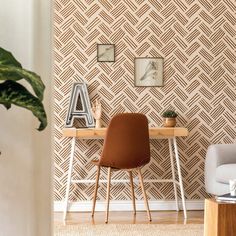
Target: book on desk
<point x="226" y="198"/>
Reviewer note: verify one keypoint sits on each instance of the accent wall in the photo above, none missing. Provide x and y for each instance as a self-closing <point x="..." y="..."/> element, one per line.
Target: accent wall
<point x="196" y="38"/>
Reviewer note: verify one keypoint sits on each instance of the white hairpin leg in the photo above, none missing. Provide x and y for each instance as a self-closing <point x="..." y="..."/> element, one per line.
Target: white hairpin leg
<point x="173" y="174"/>
<point x="180" y="177"/>
<point x="69" y="176"/>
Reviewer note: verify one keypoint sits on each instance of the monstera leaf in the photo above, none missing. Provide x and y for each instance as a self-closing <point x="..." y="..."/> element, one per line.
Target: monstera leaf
<point x="11" y="69"/>
<point x="11" y="92"/>
<point x="15" y="73"/>
<point x="7" y="59"/>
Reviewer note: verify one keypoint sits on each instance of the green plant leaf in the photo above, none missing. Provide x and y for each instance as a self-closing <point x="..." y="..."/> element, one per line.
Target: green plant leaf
<point x="12" y="92"/>
<point x="169" y="114"/>
<point x="6" y="58"/>
<point x="16" y="73"/>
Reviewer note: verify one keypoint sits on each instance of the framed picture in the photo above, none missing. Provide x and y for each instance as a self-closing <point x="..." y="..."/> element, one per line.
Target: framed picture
<point x="105" y="52"/>
<point x="148" y="71"/>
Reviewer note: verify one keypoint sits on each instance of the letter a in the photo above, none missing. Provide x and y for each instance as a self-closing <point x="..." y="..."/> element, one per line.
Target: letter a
<point x="79" y="94"/>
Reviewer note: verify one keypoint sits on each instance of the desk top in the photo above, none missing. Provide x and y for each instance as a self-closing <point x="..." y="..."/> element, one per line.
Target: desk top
<point x="154" y="132"/>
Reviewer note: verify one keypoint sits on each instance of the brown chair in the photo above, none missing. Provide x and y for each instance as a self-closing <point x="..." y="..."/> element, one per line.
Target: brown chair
<point x="126" y="147"/>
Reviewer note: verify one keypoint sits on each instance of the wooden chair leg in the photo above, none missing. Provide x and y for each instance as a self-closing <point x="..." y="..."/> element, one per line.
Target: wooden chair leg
<point x="108" y="193"/>
<point x="132" y="191"/>
<point x="96" y="189"/>
<point x="144" y="194"/>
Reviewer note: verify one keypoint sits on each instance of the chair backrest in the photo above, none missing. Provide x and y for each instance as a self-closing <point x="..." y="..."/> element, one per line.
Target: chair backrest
<point x="126" y="144"/>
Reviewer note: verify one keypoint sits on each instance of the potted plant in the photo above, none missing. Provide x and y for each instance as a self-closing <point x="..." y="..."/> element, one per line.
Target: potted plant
<point x="12" y="92"/>
<point x="169" y="118"/>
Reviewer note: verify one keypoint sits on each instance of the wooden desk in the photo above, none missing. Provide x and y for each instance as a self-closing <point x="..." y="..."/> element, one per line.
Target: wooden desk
<point x="154" y="133"/>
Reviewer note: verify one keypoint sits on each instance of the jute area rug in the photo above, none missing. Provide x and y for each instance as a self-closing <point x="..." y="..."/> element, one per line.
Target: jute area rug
<point x="129" y="230"/>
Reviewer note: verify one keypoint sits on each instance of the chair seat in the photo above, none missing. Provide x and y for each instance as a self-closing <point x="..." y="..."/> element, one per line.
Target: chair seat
<point x="96" y="163"/>
<point x="225" y="172"/>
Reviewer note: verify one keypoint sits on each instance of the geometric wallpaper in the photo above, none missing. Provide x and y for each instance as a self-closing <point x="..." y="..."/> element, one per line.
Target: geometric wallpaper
<point x="196" y="38"/>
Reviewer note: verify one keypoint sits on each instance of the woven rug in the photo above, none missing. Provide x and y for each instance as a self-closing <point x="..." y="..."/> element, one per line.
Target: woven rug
<point x="129" y="230"/>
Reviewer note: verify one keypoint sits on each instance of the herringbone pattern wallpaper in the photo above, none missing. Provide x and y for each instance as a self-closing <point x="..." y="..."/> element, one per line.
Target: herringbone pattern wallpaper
<point x="196" y="38"/>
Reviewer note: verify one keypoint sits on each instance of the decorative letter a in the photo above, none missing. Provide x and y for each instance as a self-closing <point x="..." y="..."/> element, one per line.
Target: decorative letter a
<point x="79" y="91"/>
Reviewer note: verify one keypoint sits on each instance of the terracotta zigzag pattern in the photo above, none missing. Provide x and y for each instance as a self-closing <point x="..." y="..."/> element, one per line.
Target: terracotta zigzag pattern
<point x="196" y="38"/>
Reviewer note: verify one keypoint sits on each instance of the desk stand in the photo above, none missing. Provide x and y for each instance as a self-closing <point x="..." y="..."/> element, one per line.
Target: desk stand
<point x="154" y="132"/>
<point x="172" y="146"/>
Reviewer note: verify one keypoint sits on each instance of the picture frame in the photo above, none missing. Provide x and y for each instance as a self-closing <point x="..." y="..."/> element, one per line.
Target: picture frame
<point x="148" y="71"/>
<point x="105" y="52"/>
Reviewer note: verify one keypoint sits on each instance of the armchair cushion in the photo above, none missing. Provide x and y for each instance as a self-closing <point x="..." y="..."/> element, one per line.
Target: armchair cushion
<point x="225" y="172"/>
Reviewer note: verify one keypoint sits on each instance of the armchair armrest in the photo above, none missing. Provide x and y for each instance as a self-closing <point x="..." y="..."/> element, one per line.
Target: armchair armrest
<point x="220" y="154"/>
<point x="217" y="154"/>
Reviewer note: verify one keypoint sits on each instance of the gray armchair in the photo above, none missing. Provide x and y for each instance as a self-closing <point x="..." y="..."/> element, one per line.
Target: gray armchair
<point x="220" y="167"/>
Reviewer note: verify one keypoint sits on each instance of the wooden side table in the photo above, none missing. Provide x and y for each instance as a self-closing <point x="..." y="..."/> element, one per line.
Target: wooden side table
<point x="219" y="218"/>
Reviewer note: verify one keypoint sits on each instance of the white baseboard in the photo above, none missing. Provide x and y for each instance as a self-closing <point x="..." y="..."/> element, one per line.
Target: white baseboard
<point x="158" y="205"/>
